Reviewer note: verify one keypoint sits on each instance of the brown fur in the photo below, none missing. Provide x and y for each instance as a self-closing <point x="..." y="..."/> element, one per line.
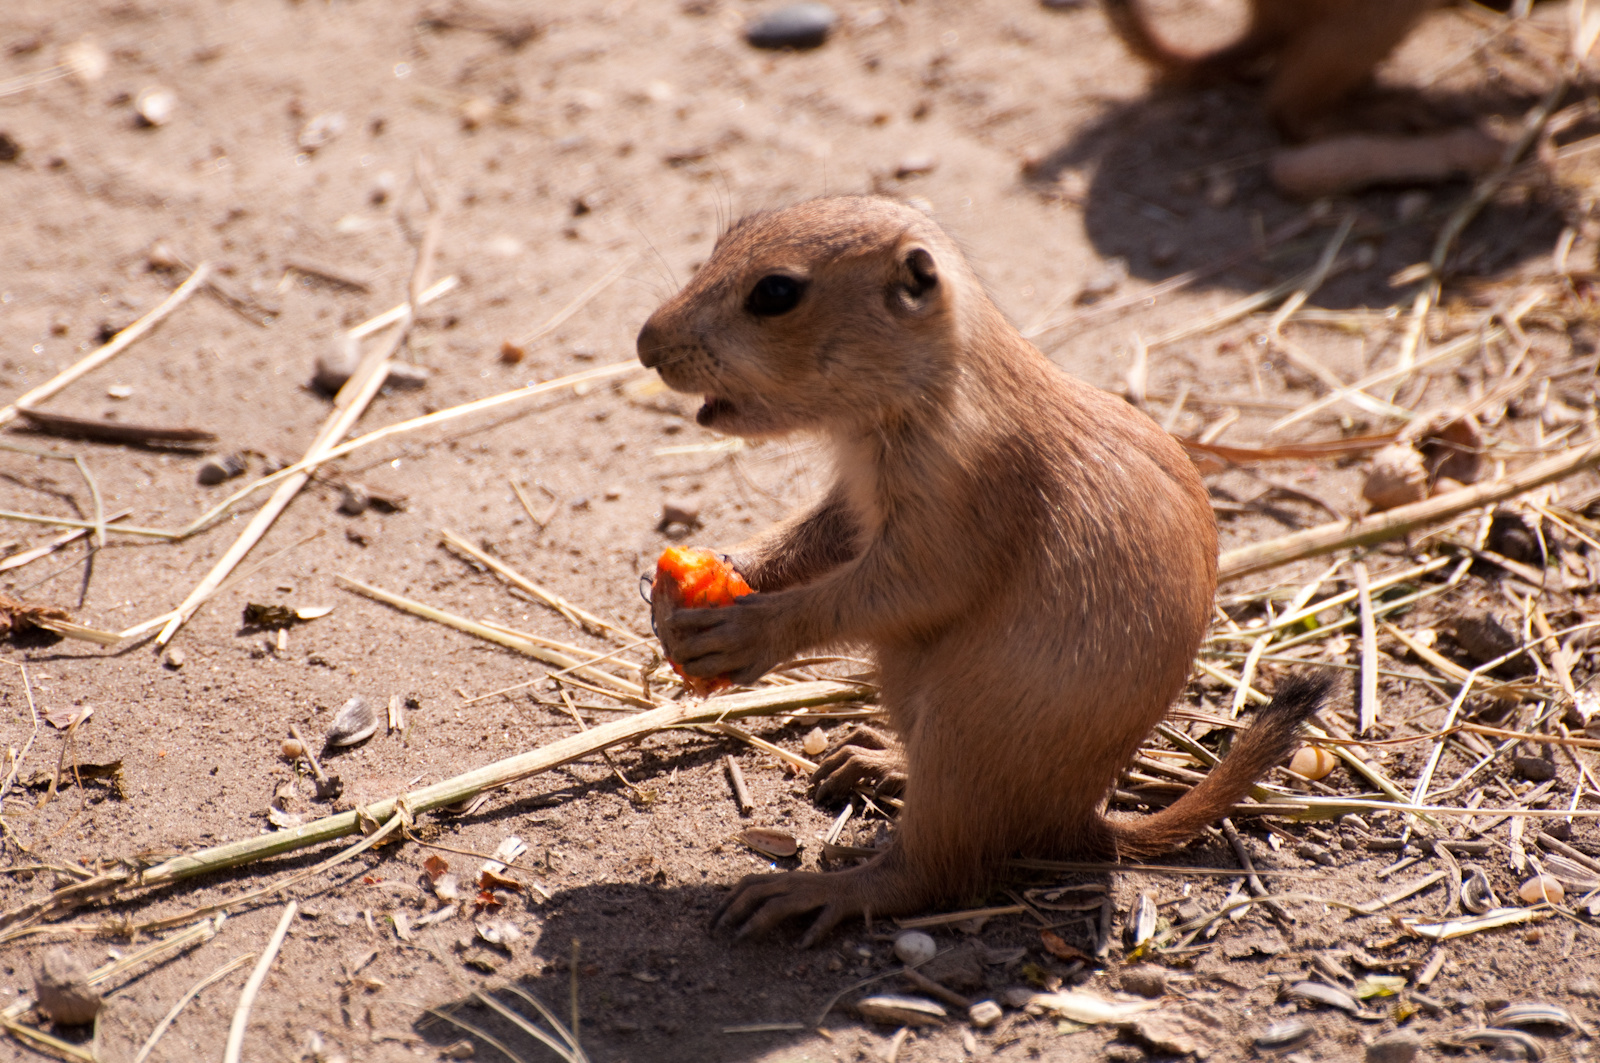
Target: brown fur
<point x="1032" y="559"/>
<point x="1317" y="51"/>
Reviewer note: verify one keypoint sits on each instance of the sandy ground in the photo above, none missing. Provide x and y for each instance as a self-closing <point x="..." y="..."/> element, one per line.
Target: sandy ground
<point x="622" y="137"/>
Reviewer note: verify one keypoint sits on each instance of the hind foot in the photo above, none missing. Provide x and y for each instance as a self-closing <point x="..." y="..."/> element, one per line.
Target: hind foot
<point x="759" y="903"/>
<point x="866" y="760"/>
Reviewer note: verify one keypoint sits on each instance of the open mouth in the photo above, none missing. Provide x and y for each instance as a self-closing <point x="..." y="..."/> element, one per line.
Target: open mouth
<point x="714" y="409"/>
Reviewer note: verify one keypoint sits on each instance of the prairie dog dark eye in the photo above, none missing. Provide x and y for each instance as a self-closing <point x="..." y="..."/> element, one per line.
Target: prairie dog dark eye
<point x="774" y="294"/>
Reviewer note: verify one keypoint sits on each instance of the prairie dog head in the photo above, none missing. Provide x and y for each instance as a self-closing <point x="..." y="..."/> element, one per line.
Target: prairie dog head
<point x="831" y="315"/>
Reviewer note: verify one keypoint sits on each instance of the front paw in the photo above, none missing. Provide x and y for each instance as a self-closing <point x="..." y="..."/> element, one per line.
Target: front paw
<point x="738" y="640"/>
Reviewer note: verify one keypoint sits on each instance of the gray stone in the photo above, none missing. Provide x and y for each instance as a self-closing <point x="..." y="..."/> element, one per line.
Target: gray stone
<point x="1401" y="1046"/>
<point x="1145" y="980"/>
<point x="62" y="989"/>
<point x="805" y="25"/>
<point x="1534" y="769"/>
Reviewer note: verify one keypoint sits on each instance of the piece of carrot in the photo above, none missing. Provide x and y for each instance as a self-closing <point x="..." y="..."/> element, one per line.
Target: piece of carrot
<point x="698" y="579"/>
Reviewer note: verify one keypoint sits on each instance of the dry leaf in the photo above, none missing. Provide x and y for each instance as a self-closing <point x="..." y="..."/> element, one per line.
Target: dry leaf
<point x="1056" y="946"/>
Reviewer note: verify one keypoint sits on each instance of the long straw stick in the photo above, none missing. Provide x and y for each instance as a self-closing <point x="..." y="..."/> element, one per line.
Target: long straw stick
<point x="117" y="344"/>
<point x="1391" y="524"/>
<point x="349" y="405"/>
<point x="308" y="463"/>
<point x="247" y="998"/>
<point x="505" y="772"/>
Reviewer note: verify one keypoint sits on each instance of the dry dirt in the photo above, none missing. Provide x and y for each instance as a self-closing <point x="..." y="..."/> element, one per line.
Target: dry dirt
<point x="628" y="132"/>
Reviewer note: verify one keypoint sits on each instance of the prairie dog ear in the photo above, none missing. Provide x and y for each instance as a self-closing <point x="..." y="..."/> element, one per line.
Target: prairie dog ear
<point x="916" y="283"/>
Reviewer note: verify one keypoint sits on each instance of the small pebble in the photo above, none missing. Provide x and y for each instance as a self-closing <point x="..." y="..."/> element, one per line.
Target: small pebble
<point x="293" y="749"/>
<point x="10" y="150"/>
<point x="87" y="61"/>
<point x="62" y="989"/>
<point x="1145" y="980"/>
<point x="1485" y="636"/>
<point x="815" y="741"/>
<point x="915" y="166"/>
<point x="1315" y="853"/>
<point x="214" y="471"/>
<point x="1534" y="769"/>
<point x="1540" y="888"/>
<point x="354" y="500"/>
<point x="1510" y="536"/>
<point x="795" y="26"/>
<point x="119" y="391"/>
<point x="155" y="106"/>
<point x="1312" y="762"/>
<point x="173" y="658"/>
<point x="321" y="131"/>
<point x="1411" y="205"/>
<point x="914" y="947"/>
<point x="1401" y="1046"/>
<point x="677" y="520"/>
<point x="984" y="1014"/>
<point x="1397" y="477"/>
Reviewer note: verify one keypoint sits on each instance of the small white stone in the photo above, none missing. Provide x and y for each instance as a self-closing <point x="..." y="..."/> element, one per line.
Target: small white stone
<point x="155" y="105"/>
<point x="984" y="1014"/>
<point x="914" y="947"/>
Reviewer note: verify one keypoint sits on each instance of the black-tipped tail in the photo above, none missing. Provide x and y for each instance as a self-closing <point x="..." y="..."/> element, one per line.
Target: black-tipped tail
<point x="1267" y="742"/>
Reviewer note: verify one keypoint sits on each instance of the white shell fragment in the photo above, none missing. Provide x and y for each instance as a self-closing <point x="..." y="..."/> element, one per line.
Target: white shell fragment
<point x="913" y="947"/>
<point x="815" y="741"/>
<point x="901" y="1010"/>
<point x="1281" y="1035"/>
<point x="312" y="612"/>
<point x="1142" y="920"/>
<point x="155" y="105"/>
<point x="355" y="722"/>
<point x="1317" y="993"/>
<point x="505" y="854"/>
<point x="1477" y="896"/>
<point x="1521" y="1016"/>
<point x="769" y="841"/>
<point x="500" y="932"/>
<point x="1087" y="1008"/>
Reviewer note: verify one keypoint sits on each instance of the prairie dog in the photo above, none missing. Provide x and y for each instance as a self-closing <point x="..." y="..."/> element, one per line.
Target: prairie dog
<point x="1316" y="52"/>
<point x="1032" y="560"/>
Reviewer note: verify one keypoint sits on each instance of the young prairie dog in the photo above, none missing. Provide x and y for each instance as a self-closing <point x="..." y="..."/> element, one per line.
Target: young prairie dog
<point x="1032" y="560"/>
<point x="1315" y="52"/>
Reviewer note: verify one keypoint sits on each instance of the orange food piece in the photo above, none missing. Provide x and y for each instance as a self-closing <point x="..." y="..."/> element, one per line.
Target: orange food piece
<point x="698" y="579"/>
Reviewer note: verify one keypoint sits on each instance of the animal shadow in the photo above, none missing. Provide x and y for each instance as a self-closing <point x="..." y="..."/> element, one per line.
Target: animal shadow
<point x="1177" y="181"/>
<point x="656" y="983"/>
